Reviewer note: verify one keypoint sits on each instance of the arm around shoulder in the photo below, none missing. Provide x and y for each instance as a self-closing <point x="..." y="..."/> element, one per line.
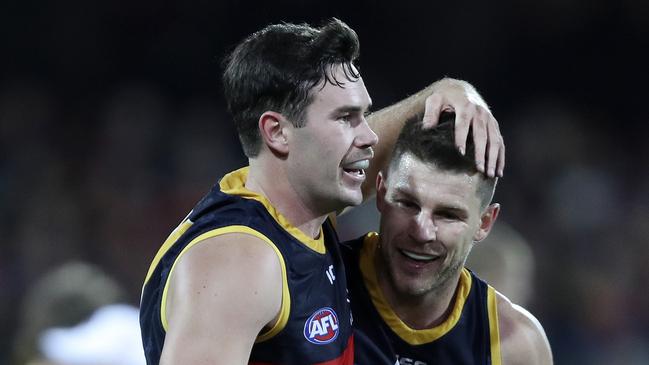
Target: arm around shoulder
<point x="222" y="293"/>
<point x="522" y="338"/>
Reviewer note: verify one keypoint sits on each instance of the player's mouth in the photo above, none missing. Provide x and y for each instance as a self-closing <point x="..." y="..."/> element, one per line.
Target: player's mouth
<point x="356" y="170"/>
<point x="419" y="257"/>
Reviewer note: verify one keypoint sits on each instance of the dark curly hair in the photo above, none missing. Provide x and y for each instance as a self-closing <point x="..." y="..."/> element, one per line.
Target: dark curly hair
<point x="276" y="68"/>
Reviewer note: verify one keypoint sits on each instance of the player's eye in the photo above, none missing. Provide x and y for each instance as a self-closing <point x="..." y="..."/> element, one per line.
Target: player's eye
<point x="404" y="203"/>
<point x="345" y="118"/>
<point x="450" y="215"/>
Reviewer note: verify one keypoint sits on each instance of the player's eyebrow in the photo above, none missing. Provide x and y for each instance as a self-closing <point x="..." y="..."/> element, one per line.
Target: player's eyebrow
<point x="351" y="109"/>
<point x="452" y="208"/>
<point x="458" y="210"/>
<point x="401" y="192"/>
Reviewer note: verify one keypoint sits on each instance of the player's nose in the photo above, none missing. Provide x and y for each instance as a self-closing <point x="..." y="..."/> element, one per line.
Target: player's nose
<point x="423" y="228"/>
<point x="366" y="136"/>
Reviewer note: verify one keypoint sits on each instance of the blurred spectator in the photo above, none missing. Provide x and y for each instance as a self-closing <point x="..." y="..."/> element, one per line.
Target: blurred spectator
<point x="111" y="336"/>
<point x="505" y="260"/>
<point x="71" y="316"/>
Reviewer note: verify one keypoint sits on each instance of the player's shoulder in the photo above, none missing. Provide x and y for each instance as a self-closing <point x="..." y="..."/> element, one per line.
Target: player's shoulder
<point x="522" y="337"/>
<point x="230" y="262"/>
<point x="231" y="251"/>
<point x="236" y="265"/>
<point x="234" y="280"/>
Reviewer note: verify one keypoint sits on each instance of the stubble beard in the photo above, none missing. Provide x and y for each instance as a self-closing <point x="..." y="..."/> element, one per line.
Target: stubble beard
<point x="432" y="287"/>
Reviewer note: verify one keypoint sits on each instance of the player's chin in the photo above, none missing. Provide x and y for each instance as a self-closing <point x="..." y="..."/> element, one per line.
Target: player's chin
<point x="352" y="196"/>
<point x="408" y="286"/>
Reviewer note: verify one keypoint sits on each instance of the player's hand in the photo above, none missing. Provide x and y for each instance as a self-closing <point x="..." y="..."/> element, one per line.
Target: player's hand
<point x="470" y="111"/>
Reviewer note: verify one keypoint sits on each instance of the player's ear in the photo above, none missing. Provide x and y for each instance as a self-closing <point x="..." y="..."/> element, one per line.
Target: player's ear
<point x="487" y="221"/>
<point x="380" y="191"/>
<point x="272" y="127"/>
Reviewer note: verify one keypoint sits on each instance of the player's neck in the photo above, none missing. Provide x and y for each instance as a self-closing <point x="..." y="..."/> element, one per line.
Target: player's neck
<point x="271" y="182"/>
<point x="427" y="311"/>
<point x="422" y="311"/>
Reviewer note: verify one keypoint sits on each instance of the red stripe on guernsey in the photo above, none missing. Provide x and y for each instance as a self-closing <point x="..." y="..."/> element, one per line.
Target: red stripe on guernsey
<point x="347" y="358"/>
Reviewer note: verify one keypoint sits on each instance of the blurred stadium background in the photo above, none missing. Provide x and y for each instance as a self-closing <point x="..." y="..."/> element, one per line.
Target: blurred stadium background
<point x="112" y="125"/>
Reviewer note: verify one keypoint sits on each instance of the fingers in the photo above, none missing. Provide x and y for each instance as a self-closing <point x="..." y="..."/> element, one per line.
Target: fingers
<point x="432" y="111"/>
<point x="494" y="147"/>
<point x="480" y="137"/>
<point x="489" y="147"/>
<point x="501" y="158"/>
<point x="463" y="116"/>
<point x="488" y="142"/>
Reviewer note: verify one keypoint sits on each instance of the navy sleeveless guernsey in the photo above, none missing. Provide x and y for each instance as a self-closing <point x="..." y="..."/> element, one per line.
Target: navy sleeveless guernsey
<point x="469" y="336"/>
<point x="314" y="325"/>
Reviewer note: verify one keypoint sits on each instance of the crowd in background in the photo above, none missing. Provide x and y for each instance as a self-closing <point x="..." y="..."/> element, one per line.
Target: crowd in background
<point x="99" y="161"/>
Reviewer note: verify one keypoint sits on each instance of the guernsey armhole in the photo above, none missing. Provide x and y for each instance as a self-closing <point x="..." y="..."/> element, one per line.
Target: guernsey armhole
<point x="494" y="332"/>
<point x="168" y="243"/>
<point x="282" y="318"/>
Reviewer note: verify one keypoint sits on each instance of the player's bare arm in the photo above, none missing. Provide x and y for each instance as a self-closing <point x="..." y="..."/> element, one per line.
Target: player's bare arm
<point x="522" y="338"/>
<point x="222" y="293"/>
<point x="446" y="94"/>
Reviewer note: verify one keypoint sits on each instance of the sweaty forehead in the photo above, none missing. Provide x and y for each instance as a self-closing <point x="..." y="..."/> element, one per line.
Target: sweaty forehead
<point x="411" y="175"/>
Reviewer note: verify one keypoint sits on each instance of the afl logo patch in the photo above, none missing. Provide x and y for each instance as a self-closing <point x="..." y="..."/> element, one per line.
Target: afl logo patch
<point x="322" y="327"/>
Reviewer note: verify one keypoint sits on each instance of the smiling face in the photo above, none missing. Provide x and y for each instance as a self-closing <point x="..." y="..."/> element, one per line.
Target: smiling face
<point x="329" y="154"/>
<point x="430" y="219"/>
